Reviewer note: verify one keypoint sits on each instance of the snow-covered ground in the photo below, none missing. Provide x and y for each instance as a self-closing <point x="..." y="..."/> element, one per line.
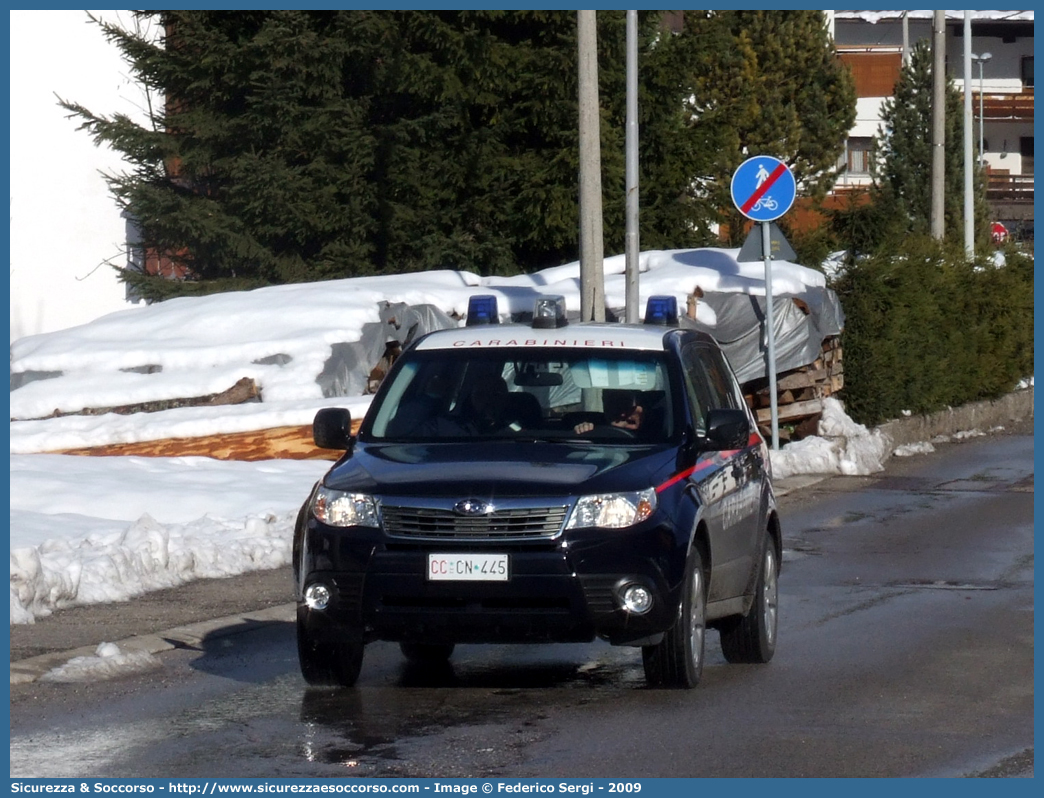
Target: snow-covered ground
<point x="99" y="529"/>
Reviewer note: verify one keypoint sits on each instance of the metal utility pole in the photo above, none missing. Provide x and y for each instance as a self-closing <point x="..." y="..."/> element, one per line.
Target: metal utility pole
<point x="938" y="220"/>
<point x="969" y="204"/>
<point x="592" y="273"/>
<point x="980" y="60"/>
<point x="631" y="178"/>
<point x="906" y="38"/>
<point x="770" y="331"/>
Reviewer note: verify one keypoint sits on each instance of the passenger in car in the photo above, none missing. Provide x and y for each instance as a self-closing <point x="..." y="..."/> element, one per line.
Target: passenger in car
<point x="486" y="404"/>
<point x="623" y="409"/>
<point x="417" y="416"/>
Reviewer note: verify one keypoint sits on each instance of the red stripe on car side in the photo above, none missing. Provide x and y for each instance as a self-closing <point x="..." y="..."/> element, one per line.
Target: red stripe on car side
<point x="754" y="440"/>
<point x="683" y="475"/>
<point x="676" y="478"/>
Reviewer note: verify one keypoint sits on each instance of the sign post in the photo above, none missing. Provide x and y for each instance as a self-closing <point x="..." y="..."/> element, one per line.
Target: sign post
<point x="763" y="189"/>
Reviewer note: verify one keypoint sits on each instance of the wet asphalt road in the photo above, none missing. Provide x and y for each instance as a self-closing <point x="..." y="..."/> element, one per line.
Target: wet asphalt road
<point x="905" y="649"/>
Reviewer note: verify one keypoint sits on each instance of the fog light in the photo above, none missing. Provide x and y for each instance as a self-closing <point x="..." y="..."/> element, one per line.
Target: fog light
<point x="317" y="597"/>
<point x="637" y="599"/>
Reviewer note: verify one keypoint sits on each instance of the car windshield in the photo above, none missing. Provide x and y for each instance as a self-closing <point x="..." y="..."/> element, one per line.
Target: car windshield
<point x="546" y="394"/>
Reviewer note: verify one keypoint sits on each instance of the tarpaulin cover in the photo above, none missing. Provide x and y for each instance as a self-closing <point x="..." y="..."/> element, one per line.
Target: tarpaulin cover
<point x="347" y="371"/>
<point x="801" y="323"/>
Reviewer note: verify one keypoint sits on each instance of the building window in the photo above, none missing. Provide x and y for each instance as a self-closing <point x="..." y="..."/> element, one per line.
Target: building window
<point x="1027" y="71"/>
<point x="859" y="155"/>
<point x="1026" y="151"/>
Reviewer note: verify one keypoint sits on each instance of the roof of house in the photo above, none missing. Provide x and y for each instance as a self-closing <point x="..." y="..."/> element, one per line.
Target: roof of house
<point x="892" y="15"/>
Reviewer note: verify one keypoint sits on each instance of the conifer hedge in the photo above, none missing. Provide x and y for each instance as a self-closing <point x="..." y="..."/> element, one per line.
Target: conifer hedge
<point x="926" y="329"/>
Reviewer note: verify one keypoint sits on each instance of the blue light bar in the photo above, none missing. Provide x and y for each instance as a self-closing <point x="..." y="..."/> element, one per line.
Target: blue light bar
<point x="549" y="311"/>
<point x="482" y="309"/>
<point x="661" y="309"/>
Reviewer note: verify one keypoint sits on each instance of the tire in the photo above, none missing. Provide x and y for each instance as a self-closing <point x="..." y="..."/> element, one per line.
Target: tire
<point x="751" y="638"/>
<point x="328" y="664"/>
<point x="677" y="661"/>
<point x="427" y="652"/>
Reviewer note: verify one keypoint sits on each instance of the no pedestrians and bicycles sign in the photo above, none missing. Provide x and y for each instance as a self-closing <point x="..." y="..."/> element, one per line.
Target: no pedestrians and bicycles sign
<point x="763" y="188"/>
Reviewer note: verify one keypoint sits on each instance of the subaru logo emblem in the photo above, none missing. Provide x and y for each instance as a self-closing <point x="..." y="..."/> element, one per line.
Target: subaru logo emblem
<point x="472" y="507"/>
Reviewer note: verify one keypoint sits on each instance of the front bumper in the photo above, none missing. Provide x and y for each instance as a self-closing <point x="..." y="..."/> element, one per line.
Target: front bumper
<point x="565" y="590"/>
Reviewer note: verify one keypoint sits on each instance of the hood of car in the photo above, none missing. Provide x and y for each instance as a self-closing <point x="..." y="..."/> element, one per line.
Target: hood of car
<point x="498" y="468"/>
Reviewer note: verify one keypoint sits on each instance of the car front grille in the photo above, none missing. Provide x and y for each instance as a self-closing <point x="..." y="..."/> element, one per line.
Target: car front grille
<point x="524" y="523"/>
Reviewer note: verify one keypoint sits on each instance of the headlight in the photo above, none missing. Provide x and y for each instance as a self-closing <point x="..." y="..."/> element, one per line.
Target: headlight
<point x="613" y="510"/>
<point x="339" y="508"/>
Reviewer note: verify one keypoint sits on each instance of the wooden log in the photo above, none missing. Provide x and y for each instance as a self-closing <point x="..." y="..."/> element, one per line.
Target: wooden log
<point x="792" y="411"/>
<point x="801" y="379"/>
<point x="281" y="443"/>
<point x="245" y="390"/>
<point x="809" y="393"/>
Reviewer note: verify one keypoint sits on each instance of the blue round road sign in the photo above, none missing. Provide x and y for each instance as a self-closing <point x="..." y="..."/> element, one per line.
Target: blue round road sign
<point x="763" y="188"/>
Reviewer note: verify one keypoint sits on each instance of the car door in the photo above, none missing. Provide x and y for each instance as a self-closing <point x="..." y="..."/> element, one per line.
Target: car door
<point x="728" y="481"/>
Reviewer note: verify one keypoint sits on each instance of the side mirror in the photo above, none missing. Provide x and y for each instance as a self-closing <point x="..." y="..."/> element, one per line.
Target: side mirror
<point x="728" y="429"/>
<point x="332" y="428"/>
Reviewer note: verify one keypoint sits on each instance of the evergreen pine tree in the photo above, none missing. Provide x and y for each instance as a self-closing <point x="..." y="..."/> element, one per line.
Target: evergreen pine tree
<point x="255" y="169"/>
<point x="764" y="83"/>
<point x="901" y="162"/>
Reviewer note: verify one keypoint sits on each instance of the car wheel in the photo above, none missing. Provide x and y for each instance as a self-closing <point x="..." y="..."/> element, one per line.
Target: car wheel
<point x="677" y="661"/>
<point x="752" y="637"/>
<point x="427" y="652"/>
<point x="327" y="664"/>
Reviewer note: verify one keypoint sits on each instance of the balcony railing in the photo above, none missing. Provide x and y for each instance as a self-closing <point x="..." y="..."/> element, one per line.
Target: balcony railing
<point x="1009" y="188"/>
<point x="1017" y="106"/>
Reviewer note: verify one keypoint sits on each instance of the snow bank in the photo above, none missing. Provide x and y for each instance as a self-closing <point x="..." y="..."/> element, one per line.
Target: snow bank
<point x="108" y="662"/>
<point x="145" y="556"/>
<point x="842" y="447"/>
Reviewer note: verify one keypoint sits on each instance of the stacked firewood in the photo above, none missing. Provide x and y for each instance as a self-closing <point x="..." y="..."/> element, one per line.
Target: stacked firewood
<point x="799" y="393"/>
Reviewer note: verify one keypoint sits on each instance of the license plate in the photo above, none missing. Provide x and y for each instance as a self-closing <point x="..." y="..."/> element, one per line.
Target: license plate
<point x="468" y="567"/>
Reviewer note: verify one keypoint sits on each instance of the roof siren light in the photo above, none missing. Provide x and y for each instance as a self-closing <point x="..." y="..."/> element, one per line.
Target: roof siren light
<point x="549" y="312"/>
<point x="482" y="309"/>
<point x="662" y="309"/>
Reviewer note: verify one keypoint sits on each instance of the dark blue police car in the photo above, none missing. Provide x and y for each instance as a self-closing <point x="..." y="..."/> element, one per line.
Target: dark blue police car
<point x="547" y="482"/>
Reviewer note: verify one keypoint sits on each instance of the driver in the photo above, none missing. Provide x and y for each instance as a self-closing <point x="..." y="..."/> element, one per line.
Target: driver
<point x="622" y="408"/>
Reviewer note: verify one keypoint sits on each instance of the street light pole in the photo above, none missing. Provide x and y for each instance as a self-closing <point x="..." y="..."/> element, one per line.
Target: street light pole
<point x="969" y="146"/>
<point x="980" y="60"/>
<point x="937" y="216"/>
<point x="631" y="249"/>
<point x="592" y="267"/>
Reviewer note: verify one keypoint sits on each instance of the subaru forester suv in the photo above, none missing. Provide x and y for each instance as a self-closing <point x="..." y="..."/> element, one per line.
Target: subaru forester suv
<point x="543" y="482"/>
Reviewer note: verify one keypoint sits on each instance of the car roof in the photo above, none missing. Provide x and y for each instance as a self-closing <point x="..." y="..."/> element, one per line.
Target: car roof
<point x="577" y="335"/>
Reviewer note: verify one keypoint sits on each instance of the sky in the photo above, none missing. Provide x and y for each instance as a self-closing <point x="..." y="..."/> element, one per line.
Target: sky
<point x="102" y="529"/>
